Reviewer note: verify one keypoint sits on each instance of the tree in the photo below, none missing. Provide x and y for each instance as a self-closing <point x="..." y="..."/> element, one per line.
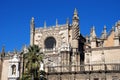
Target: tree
<point x="32" y="63"/>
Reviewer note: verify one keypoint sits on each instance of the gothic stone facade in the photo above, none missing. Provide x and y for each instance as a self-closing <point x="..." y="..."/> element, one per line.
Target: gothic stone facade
<point x="70" y="56"/>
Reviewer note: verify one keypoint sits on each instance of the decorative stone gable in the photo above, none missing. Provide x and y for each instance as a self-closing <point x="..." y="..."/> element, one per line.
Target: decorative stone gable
<point x="13" y="73"/>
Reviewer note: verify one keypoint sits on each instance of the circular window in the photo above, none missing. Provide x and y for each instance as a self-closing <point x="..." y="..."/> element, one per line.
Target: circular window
<point x="50" y="43"/>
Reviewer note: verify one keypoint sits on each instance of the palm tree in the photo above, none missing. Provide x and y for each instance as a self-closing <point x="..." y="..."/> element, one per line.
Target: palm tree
<point x="32" y="62"/>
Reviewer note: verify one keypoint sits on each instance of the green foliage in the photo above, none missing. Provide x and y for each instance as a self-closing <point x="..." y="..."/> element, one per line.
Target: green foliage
<point x="32" y="61"/>
<point x="26" y="77"/>
<point x="42" y="73"/>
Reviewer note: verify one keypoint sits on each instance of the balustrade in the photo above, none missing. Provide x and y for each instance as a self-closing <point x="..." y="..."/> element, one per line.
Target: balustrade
<point x="85" y="68"/>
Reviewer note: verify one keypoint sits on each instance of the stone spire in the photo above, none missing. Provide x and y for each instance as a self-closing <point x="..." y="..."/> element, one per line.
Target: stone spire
<point x="75" y="25"/>
<point x="75" y="11"/>
<point x="116" y="24"/>
<point x="45" y="24"/>
<point x="116" y="38"/>
<point x="15" y="51"/>
<point x="116" y="31"/>
<point x="91" y="30"/>
<point x="104" y="33"/>
<point x="93" y="33"/>
<point x="32" y="23"/>
<point x="75" y="15"/>
<point x="3" y="52"/>
<point x="56" y="23"/>
<point x="32" y="31"/>
<point x="113" y="28"/>
<point x="75" y="31"/>
<point x="25" y="49"/>
<point x="67" y="21"/>
<point x="87" y="39"/>
<point x="93" y="38"/>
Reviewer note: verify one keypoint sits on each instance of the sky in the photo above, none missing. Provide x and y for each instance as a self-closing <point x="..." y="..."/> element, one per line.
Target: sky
<point x="15" y="16"/>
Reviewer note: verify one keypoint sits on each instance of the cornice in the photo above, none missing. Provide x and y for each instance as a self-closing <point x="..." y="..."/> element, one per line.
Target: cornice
<point x="104" y="48"/>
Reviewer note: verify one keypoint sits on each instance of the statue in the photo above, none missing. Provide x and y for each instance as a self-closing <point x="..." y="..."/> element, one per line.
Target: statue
<point x="13" y="70"/>
<point x="41" y="66"/>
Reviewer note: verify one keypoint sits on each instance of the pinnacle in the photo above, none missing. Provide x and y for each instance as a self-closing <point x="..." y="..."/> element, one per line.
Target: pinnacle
<point x="32" y="20"/>
<point x="104" y="26"/>
<point x="67" y="21"/>
<point x="75" y="15"/>
<point x="56" y="23"/>
<point x="45" y="24"/>
<point x="75" y="11"/>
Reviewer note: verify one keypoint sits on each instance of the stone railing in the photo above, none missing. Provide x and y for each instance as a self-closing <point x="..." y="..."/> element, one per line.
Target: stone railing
<point x="50" y="50"/>
<point x="84" y="68"/>
<point x="65" y="49"/>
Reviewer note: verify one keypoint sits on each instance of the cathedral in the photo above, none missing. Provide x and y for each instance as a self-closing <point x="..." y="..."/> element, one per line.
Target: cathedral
<point x="69" y="55"/>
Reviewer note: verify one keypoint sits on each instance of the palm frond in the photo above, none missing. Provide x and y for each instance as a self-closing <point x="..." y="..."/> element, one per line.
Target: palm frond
<point x="33" y="59"/>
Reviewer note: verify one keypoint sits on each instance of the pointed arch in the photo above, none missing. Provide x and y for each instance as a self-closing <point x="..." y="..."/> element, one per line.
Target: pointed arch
<point x="50" y="42"/>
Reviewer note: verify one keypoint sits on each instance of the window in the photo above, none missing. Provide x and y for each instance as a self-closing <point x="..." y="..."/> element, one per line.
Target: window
<point x="13" y="69"/>
<point x="96" y="78"/>
<point x="50" y="43"/>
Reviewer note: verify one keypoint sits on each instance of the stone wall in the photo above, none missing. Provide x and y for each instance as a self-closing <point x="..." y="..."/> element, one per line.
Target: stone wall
<point x="4" y="75"/>
<point x="84" y="76"/>
<point x="0" y="69"/>
<point x="99" y="55"/>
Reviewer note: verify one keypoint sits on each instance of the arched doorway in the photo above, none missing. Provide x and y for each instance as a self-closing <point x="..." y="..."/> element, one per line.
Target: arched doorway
<point x="50" y="43"/>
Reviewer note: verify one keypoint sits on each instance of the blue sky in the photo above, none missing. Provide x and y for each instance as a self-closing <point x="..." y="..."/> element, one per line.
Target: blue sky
<point x="15" y="17"/>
